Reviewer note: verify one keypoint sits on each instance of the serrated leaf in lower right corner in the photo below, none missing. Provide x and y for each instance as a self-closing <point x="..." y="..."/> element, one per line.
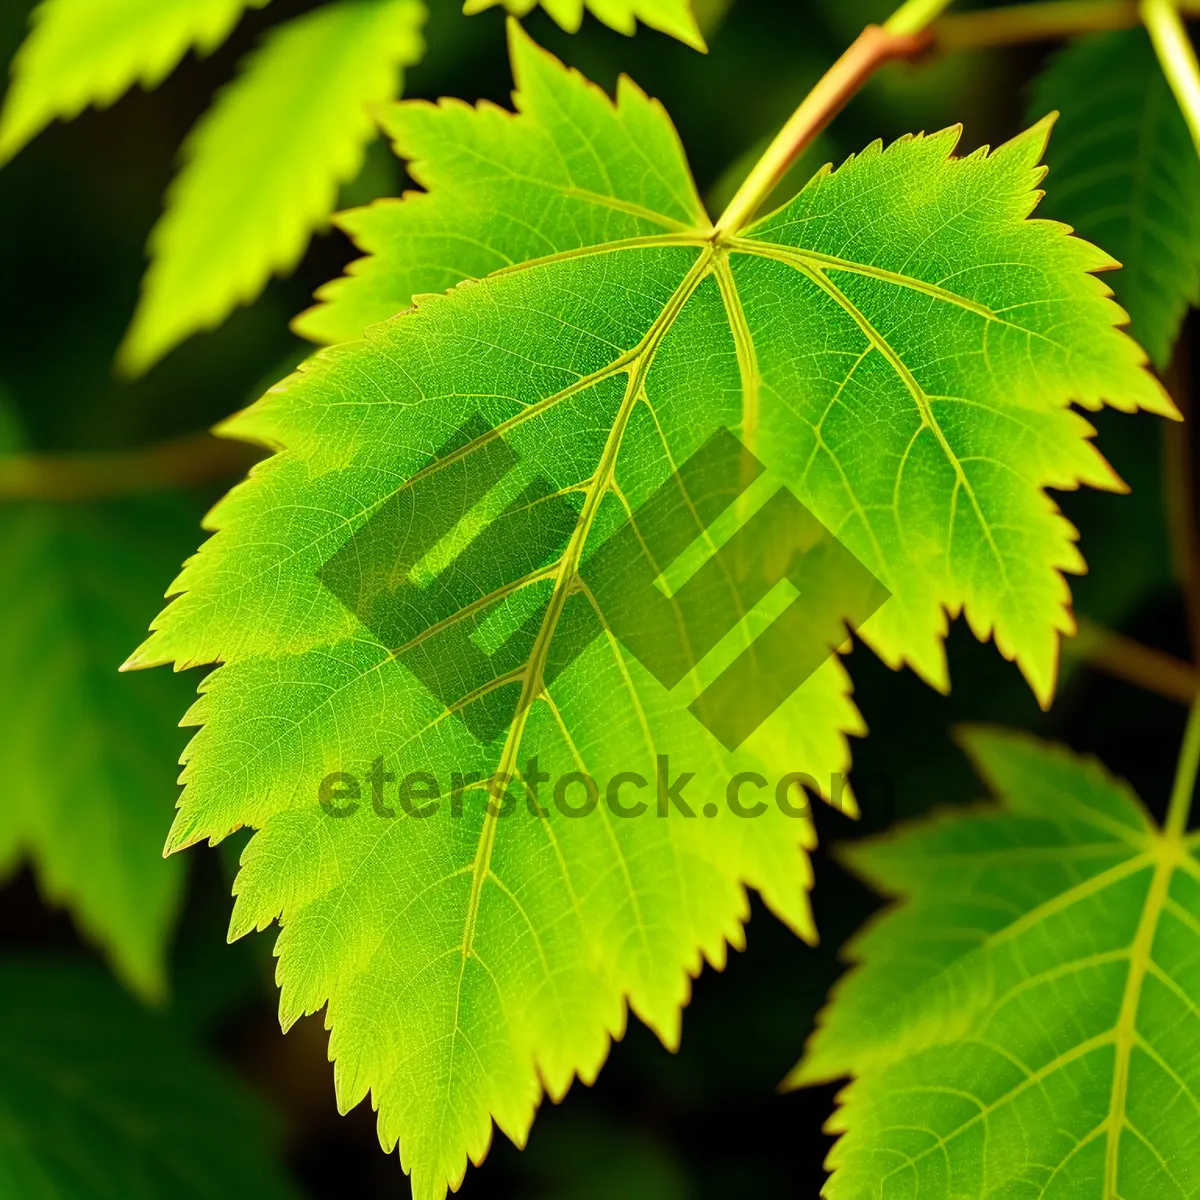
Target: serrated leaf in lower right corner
<point x="1023" y="1021"/>
<point x="99" y="1099"/>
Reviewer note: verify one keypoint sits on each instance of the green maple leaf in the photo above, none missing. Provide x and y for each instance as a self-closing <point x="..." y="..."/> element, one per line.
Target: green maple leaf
<point x="82" y="52"/>
<point x="100" y="1100"/>
<point x="263" y="166"/>
<point x="1124" y="171"/>
<point x="1024" y="1022"/>
<point x="87" y="756"/>
<point x="899" y="344"/>
<point x="674" y="17"/>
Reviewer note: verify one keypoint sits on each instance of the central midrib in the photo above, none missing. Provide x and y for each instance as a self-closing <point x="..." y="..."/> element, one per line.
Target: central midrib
<point x="637" y="368"/>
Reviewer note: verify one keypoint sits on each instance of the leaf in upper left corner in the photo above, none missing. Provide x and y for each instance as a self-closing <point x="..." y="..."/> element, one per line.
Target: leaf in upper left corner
<point x="1023" y="1020"/>
<point x="263" y="166"/>
<point x="82" y="52"/>
<point x="674" y="17"/>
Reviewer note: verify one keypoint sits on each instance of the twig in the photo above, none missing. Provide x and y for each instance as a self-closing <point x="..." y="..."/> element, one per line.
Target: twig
<point x="92" y="475"/>
<point x="1044" y="22"/>
<point x="1134" y="662"/>
<point x="913" y="29"/>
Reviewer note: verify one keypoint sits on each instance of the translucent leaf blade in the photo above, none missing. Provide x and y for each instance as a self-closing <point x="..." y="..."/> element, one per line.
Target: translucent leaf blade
<point x="963" y="333"/>
<point x="502" y="191"/>
<point x="1124" y="173"/>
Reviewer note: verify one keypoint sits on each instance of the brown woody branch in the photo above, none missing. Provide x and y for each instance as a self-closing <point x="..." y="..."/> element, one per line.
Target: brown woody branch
<point x="1045" y="22"/>
<point x="91" y="475"/>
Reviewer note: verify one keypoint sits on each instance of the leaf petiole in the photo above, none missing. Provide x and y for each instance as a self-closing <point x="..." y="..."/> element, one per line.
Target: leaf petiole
<point x="914" y="16"/>
<point x="1180" y="806"/>
<point x="1044" y="21"/>
<point x="917" y="26"/>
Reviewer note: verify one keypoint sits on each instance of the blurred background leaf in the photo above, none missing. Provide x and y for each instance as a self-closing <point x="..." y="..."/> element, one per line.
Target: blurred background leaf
<point x="674" y="17"/>
<point x="90" y="756"/>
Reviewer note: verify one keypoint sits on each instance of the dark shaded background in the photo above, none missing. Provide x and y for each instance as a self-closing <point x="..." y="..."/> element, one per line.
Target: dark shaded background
<point x="75" y="209"/>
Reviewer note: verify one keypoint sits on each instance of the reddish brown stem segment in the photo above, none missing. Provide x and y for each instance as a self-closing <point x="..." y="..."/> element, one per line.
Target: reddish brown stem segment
<point x="179" y="463"/>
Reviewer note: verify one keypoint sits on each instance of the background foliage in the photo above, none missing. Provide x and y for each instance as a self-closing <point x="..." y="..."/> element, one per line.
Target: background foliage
<point x="79" y="584"/>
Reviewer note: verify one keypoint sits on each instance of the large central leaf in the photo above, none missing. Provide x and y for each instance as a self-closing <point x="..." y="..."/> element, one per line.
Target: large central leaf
<point x="898" y="345"/>
<point x="671" y="16"/>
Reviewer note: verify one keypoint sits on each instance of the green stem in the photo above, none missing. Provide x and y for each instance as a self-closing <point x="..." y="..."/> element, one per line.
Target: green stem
<point x="1177" y="57"/>
<point x="1185" y="776"/>
<point x="869" y="51"/>
<point x="918" y="24"/>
